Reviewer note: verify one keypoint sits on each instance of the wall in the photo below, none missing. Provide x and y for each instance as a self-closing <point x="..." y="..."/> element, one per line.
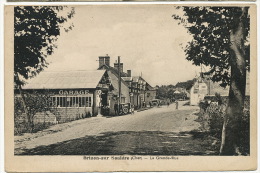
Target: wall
<point x="198" y="92"/>
<point x="124" y="91"/>
<point x="63" y="115"/>
<point x="149" y="96"/>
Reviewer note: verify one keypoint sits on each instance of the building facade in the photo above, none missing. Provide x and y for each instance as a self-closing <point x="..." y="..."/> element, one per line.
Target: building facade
<point x="139" y="91"/>
<point x="74" y="94"/>
<point x="203" y="86"/>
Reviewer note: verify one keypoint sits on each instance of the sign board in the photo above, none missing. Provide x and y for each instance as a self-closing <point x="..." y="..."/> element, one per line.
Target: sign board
<point x="73" y="92"/>
<point x="99" y="92"/>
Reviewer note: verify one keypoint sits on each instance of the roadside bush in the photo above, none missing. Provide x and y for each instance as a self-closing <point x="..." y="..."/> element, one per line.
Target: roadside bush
<point x="214" y="115"/>
<point x="216" y="119"/>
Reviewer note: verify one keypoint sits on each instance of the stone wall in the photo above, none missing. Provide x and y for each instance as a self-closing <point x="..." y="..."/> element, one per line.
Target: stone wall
<point x="63" y="115"/>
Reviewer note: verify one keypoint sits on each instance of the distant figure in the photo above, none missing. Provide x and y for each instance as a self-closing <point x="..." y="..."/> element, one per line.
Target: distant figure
<point x="116" y="108"/>
<point x="168" y="103"/>
<point x="150" y="104"/>
<point x="177" y="104"/>
<point x="144" y="105"/>
<point x="132" y="109"/>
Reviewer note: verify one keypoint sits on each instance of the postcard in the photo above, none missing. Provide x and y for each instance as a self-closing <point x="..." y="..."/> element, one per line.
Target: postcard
<point x="131" y="87"/>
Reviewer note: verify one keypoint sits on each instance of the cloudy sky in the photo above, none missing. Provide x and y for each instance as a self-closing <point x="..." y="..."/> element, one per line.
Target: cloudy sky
<point x="146" y="37"/>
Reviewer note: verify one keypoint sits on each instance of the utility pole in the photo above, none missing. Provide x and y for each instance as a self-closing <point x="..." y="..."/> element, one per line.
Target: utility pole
<point x="119" y="84"/>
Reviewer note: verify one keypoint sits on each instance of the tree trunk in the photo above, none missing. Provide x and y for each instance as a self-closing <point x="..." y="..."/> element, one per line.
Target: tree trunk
<point x="234" y="112"/>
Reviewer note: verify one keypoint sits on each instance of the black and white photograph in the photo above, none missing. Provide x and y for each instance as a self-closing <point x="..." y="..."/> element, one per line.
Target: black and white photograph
<point x="133" y="82"/>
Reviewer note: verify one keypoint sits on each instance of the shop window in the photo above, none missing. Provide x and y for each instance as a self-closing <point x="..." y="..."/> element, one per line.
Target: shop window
<point x="71" y="101"/>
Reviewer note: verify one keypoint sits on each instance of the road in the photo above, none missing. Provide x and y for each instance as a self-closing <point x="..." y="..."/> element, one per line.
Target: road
<point x="156" y="131"/>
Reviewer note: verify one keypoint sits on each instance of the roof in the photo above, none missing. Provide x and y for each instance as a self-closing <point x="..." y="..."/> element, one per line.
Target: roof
<point x="136" y="78"/>
<point x="114" y="82"/>
<point x="113" y="69"/>
<point x="149" y="87"/>
<point x="127" y="79"/>
<point x="65" y="80"/>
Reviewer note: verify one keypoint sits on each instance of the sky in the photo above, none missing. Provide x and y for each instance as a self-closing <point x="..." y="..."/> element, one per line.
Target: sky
<point x="146" y="37"/>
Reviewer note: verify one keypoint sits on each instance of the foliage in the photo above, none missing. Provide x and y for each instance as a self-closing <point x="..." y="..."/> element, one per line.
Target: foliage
<point x="211" y="28"/>
<point x="35" y="103"/>
<point x="167" y="91"/>
<point x="187" y="85"/>
<point x="216" y="112"/>
<point x="36" y="30"/>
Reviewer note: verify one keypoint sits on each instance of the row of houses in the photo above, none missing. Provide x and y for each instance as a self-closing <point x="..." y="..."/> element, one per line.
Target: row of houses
<point x="93" y="92"/>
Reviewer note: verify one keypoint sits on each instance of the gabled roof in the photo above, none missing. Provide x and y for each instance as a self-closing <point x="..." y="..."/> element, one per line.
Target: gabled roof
<point x="65" y="80"/>
<point x="114" y="83"/>
<point x="149" y="87"/>
<point x="113" y="69"/>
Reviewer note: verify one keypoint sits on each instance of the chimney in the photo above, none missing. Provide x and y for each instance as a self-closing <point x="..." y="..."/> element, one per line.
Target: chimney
<point x="120" y="67"/>
<point x="107" y="60"/>
<point x="104" y="60"/>
<point x="129" y="73"/>
<point x="101" y="61"/>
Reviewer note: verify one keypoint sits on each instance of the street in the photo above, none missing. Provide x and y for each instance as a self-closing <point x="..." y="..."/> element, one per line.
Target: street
<point x="156" y="131"/>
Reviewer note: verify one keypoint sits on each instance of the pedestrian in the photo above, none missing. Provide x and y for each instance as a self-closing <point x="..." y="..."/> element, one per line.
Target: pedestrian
<point x="150" y="104"/>
<point x="177" y="104"/>
<point x="116" y="108"/>
<point x="132" y="109"/>
<point x="168" y="103"/>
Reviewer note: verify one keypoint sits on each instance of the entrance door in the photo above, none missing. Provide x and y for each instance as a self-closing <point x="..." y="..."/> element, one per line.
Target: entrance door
<point x="104" y="104"/>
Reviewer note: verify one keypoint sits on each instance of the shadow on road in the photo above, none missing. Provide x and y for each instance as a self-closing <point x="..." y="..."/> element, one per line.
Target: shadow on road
<point x="132" y="143"/>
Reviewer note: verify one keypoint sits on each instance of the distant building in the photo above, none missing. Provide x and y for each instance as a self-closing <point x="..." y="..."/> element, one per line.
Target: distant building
<point x="203" y="86"/>
<point x="150" y="93"/>
<point x="198" y="91"/>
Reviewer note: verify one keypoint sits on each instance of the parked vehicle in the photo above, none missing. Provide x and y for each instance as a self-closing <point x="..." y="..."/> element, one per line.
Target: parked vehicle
<point x="125" y="108"/>
<point x="156" y="102"/>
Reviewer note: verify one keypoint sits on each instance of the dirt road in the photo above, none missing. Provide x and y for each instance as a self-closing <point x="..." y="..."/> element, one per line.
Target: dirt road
<point x="163" y="130"/>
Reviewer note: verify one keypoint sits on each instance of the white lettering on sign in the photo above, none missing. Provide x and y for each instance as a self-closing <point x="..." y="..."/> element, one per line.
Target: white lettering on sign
<point x="72" y="92"/>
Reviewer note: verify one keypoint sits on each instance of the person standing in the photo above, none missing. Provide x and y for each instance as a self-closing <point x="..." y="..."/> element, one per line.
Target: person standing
<point x="177" y="104"/>
<point x="116" y="108"/>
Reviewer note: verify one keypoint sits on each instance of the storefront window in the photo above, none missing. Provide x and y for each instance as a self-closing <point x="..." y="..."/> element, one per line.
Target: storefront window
<point x="71" y="101"/>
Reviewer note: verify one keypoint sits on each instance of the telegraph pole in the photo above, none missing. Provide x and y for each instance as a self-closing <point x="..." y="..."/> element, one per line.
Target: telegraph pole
<point x="119" y="84"/>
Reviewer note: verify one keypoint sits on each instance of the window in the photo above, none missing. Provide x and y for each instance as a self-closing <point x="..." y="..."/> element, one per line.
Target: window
<point x="122" y="99"/>
<point x="71" y="101"/>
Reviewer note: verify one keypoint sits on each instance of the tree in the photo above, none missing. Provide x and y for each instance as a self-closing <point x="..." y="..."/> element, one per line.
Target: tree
<point x="220" y="41"/>
<point x="187" y="85"/>
<point x="35" y="103"/>
<point x="36" y="30"/>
